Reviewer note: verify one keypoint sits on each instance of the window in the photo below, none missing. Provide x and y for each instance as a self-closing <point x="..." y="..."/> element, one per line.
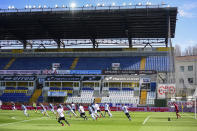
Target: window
<point x="182" y="68"/>
<point x="190" y="80"/>
<point x="190" y="68"/>
<point x="181" y="80"/>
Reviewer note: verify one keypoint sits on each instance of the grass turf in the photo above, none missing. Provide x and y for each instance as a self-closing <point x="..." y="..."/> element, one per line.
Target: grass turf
<point x="153" y="121"/>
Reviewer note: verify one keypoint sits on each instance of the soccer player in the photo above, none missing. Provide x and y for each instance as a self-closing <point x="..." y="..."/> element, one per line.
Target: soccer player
<point x="52" y="108"/>
<point x="60" y="113"/>
<point x="24" y="110"/>
<point x="107" y="110"/>
<point x="35" y="107"/>
<point x="70" y="110"/>
<point x="73" y="106"/>
<point x="0" y="104"/>
<point x="13" y="106"/>
<point x="91" y="112"/>
<point x="82" y="112"/>
<point x="177" y="110"/>
<point x="125" y="109"/>
<point x="44" y="111"/>
<point x="97" y="108"/>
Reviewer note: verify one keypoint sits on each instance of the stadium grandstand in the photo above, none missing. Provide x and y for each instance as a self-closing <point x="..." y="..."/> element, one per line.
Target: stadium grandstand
<point x="116" y="55"/>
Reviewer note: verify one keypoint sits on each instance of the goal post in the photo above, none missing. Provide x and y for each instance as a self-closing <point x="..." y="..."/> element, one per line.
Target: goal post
<point x="187" y="106"/>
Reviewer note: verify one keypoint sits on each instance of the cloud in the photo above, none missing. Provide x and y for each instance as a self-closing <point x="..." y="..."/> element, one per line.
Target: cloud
<point x="189" y="6"/>
<point x="192" y="42"/>
<point x="187" y="14"/>
<point x="187" y="10"/>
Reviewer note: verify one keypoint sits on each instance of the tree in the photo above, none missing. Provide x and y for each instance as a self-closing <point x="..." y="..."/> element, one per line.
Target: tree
<point x="178" y="50"/>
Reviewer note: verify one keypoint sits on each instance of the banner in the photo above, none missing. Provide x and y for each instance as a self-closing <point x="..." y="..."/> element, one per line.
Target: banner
<point x="63" y="78"/>
<point x="27" y="72"/>
<point x="86" y="72"/>
<point x="72" y="72"/>
<point x="121" y="78"/>
<point x="128" y="72"/>
<point x="57" y="94"/>
<point x="18" y="78"/>
<point x="164" y="90"/>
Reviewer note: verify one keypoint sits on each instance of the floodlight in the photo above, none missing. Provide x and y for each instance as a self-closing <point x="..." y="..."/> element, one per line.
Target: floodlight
<point x="56" y="6"/>
<point x="148" y="3"/>
<point x="130" y="3"/>
<point x="72" y="5"/>
<point x="39" y="6"/>
<point x="13" y="7"/>
<point x="86" y="5"/>
<point x="113" y="4"/>
<point x="103" y="4"/>
<point x="124" y="4"/>
<point x="9" y="7"/>
<point x="34" y="6"/>
<point x="45" y="6"/>
<point x="29" y="6"/>
<point x="139" y="4"/>
<point x="98" y="4"/>
<point x="63" y="6"/>
<point x="26" y="6"/>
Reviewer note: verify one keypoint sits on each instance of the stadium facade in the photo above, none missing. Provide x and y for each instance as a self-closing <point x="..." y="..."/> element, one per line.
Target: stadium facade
<point x="113" y="75"/>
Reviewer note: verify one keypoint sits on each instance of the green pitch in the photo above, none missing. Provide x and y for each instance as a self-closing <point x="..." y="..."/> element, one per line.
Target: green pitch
<point x="141" y="121"/>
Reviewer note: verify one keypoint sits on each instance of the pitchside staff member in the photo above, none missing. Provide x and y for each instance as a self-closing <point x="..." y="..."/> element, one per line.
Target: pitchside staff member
<point x="60" y="113"/>
<point x="125" y="109"/>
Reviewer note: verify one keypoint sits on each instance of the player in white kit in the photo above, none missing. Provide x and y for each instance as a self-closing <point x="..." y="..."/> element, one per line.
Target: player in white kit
<point x="13" y="106"/>
<point x="73" y="107"/>
<point x="0" y="104"/>
<point x="82" y="112"/>
<point x="60" y="113"/>
<point x="44" y="111"/>
<point x="107" y="110"/>
<point x="125" y="109"/>
<point x="91" y="112"/>
<point x="52" y="108"/>
<point x="70" y="110"/>
<point x="97" y="109"/>
<point x="24" y="110"/>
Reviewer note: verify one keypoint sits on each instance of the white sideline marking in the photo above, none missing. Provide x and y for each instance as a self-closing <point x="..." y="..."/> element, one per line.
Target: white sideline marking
<point x="146" y="120"/>
<point x="19" y="122"/>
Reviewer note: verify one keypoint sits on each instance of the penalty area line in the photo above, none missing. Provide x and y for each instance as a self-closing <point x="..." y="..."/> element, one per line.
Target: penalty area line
<point x="146" y="120"/>
<point x="20" y="121"/>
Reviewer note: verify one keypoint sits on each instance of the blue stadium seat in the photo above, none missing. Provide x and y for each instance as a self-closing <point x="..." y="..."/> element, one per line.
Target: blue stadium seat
<point x="158" y="63"/>
<point x="4" y="62"/>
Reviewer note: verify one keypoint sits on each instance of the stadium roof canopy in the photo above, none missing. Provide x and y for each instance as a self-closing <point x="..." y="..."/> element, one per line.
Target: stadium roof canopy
<point x="88" y="23"/>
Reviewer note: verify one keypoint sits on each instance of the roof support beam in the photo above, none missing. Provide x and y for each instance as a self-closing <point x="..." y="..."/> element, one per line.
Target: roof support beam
<point x="130" y="42"/>
<point x="93" y="42"/>
<point x="166" y="42"/>
<point x="59" y="43"/>
<point x="24" y="42"/>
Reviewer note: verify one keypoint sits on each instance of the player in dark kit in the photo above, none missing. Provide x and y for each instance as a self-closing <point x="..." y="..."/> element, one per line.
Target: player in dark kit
<point x="177" y="111"/>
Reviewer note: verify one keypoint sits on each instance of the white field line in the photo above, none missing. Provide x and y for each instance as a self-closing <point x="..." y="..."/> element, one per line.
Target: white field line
<point x="19" y="122"/>
<point x="146" y="120"/>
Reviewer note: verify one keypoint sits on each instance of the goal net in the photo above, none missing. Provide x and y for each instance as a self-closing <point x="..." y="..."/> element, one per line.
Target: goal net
<point x="187" y="106"/>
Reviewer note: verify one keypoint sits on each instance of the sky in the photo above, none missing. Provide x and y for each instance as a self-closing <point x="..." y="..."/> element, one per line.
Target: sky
<point x="186" y="28"/>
